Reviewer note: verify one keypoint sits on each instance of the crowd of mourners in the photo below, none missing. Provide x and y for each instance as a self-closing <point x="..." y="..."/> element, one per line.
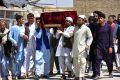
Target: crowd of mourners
<point x="28" y="48"/>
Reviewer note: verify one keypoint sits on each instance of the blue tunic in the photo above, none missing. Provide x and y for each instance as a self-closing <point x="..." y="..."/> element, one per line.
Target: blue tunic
<point x="42" y="55"/>
<point x="15" y="38"/>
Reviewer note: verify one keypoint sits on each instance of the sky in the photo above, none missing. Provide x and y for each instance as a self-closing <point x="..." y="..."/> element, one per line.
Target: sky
<point x="58" y="3"/>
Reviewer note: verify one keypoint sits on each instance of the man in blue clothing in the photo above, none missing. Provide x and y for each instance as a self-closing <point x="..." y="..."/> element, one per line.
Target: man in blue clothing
<point x="17" y="37"/>
<point x="42" y="54"/>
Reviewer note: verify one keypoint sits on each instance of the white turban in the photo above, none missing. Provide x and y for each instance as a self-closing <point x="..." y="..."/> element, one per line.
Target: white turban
<point x="69" y="19"/>
<point x="82" y="16"/>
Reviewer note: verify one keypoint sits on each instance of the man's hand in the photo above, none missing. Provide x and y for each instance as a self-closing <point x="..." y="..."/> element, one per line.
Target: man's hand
<point x="3" y="42"/>
<point x="25" y="37"/>
<point x="59" y="31"/>
<point x="16" y="46"/>
<point x="86" y="49"/>
<point x="110" y="50"/>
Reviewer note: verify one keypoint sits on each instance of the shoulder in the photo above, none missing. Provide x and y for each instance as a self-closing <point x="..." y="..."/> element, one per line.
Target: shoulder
<point x="37" y="29"/>
<point x="6" y="30"/>
<point x="71" y="27"/>
<point x="13" y="27"/>
<point x="85" y="27"/>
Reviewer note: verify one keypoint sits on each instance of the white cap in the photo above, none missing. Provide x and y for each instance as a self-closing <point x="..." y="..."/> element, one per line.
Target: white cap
<point x="82" y="16"/>
<point x="69" y="19"/>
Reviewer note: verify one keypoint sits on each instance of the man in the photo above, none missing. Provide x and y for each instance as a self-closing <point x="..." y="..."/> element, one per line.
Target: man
<point x="29" y="46"/>
<point x="111" y="21"/>
<point x="93" y="26"/>
<point x="53" y="46"/>
<point x="65" y="43"/>
<point x="4" y="52"/>
<point x="42" y="54"/>
<point x="118" y="38"/>
<point x="17" y="37"/>
<point x="82" y="41"/>
<point x="103" y="48"/>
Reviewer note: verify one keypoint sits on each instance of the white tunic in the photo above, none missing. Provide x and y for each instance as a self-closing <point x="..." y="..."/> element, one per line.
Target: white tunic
<point x="68" y="32"/>
<point x="82" y="39"/>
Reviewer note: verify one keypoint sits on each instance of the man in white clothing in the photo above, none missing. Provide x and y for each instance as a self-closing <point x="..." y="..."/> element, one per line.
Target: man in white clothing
<point x="29" y="45"/>
<point x="82" y="41"/>
<point x="65" y="46"/>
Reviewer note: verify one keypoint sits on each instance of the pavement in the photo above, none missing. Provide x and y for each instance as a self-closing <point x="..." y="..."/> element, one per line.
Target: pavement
<point x="103" y="76"/>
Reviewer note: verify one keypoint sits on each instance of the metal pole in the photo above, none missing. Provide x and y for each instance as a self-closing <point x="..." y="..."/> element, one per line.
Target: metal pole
<point x="56" y="5"/>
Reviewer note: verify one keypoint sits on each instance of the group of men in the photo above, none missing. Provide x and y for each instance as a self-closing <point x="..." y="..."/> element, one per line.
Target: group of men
<point x="33" y="50"/>
<point x="27" y="49"/>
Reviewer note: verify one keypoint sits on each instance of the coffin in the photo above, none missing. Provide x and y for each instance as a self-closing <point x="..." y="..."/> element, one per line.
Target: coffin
<point x="57" y="19"/>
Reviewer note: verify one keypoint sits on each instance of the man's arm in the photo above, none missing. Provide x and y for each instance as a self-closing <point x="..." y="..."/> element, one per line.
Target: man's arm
<point x="10" y="36"/>
<point x="67" y="33"/>
<point x="110" y="39"/>
<point x="89" y="38"/>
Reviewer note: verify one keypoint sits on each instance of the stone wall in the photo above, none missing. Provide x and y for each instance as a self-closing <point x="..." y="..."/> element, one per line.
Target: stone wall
<point x="88" y="6"/>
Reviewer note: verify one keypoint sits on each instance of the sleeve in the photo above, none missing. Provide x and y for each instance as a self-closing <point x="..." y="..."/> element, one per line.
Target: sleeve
<point x="5" y="38"/>
<point x="117" y="33"/>
<point x="68" y="33"/>
<point x="22" y="32"/>
<point x="110" y="37"/>
<point x="6" y="35"/>
<point x="10" y="36"/>
<point x="89" y="38"/>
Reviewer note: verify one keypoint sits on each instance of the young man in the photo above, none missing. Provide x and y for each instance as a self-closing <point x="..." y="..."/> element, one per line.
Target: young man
<point x="111" y="21"/>
<point x="17" y="37"/>
<point x="93" y="26"/>
<point x="82" y="41"/>
<point x="65" y="46"/>
<point x="118" y="38"/>
<point x="29" y="46"/>
<point x="104" y="44"/>
<point x="54" y="39"/>
<point x="42" y="54"/>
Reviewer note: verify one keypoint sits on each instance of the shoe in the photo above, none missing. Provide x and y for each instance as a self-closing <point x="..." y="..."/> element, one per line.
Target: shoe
<point x="58" y="72"/>
<point x="63" y="77"/>
<point x="45" y="76"/>
<point x="83" y="78"/>
<point x="76" y="78"/>
<point x="110" y="76"/>
<point x="37" y="77"/>
<point x="14" y="77"/>
<point x="96" y="77"/>
<point x="93" y="76"/>
<point x="71" y="75"/>
<point x="50" y="73"/>
<point x="26" y="75"/>
<point x="20" y="77"/>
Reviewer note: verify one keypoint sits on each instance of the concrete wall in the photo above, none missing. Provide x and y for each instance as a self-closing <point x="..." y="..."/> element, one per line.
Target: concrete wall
<point x="88" y="6"/>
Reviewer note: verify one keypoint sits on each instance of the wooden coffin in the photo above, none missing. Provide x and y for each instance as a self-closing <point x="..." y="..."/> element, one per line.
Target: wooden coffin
<point x="57" y="19"/>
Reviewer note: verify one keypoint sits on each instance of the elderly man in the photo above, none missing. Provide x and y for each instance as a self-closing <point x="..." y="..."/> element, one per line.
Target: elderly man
<point x="65" y="46"/>
<point x="82" y="41"/>
<point x="4" y="52"/>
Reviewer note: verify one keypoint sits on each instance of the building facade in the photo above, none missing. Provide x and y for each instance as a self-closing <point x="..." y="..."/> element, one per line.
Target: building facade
<point x="87" y="6"/>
